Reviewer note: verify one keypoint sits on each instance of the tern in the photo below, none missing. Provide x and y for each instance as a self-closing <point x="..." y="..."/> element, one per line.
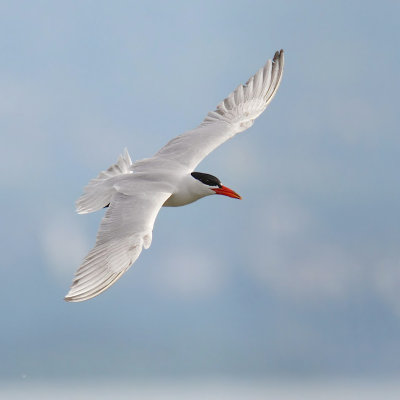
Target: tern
<point x="134" y="193"/>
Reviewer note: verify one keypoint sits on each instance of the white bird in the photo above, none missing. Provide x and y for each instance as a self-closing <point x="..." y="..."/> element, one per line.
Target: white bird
<point x="135" y="192"/>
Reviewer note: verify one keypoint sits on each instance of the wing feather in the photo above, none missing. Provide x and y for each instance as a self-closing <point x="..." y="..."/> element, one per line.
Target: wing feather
<point x="124" y="231"/>
<point x="234" y="114"/>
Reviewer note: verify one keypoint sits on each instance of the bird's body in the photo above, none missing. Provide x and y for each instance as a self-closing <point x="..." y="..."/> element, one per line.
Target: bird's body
<point x="186" y="191"/>
<point x="135" y="192"/>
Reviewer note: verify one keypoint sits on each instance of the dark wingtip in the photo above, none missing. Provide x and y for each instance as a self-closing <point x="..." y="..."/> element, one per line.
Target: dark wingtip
<point x="278" y="54"/>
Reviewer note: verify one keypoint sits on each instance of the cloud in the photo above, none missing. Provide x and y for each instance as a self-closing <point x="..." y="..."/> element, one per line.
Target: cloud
<point x="190" y="273"/>
<point x="290" y="258"/>
<point x="64" y="244"/>
<point x="298" y="257"/>
<point x="23" y="110"/>
<point x="386" y="279"/>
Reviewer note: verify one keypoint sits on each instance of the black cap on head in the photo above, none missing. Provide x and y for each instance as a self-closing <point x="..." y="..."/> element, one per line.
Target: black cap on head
<point x="207" y="179"/>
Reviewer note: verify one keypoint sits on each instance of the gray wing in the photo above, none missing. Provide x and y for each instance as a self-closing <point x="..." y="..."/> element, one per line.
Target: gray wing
<point x="233" y="115"/>
<point x="125" y="229"/>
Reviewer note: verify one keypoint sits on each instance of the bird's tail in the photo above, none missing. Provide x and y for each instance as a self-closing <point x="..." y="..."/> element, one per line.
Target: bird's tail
<point x="97" y="194"/>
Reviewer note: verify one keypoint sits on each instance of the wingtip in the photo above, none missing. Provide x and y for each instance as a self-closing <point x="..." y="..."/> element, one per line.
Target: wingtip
<point x="68" y="298"/>
<point x="74" y="299"/>
<point x="278" y="55"/>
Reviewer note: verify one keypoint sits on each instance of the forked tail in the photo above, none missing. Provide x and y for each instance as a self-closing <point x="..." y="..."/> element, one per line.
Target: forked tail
<point x="97" y="194"/>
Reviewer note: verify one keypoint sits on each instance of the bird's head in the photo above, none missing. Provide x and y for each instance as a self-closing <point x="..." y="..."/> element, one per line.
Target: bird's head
<point x="213" y="185"/>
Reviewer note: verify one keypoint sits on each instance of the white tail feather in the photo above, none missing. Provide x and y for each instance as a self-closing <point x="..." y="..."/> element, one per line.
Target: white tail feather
<point x="97" y="194"/>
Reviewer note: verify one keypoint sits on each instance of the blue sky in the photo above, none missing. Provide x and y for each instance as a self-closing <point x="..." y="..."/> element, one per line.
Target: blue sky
<point x="299" y="278"/>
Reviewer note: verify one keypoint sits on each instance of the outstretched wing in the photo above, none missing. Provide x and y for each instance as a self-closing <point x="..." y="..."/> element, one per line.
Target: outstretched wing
<point x="125" y="229"/>
<point x="233" y="115"/>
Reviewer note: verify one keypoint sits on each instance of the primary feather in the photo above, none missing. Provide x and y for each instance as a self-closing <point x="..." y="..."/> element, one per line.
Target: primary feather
<point x="233" y="115"/>
<point x="124" y="231"/>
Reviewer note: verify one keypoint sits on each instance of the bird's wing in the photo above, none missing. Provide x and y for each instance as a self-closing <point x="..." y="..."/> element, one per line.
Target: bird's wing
<point x="233" y="115"/>
<point x="124" y="230"/>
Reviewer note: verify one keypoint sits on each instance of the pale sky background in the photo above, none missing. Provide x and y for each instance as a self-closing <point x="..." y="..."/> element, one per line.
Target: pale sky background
<point x="300" y="278"/>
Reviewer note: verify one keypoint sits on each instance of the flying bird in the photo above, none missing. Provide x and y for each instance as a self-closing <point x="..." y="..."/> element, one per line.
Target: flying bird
<point x="135" y="192"/>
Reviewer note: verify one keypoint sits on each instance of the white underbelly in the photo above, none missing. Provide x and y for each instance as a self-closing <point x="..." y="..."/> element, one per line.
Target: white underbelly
<point x="177" y="200"/>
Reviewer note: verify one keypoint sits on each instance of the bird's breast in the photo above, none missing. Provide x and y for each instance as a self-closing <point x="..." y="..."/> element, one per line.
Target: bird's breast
<point x="181" y="199"/>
